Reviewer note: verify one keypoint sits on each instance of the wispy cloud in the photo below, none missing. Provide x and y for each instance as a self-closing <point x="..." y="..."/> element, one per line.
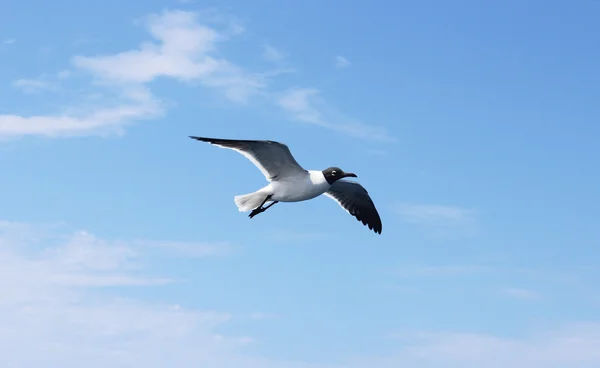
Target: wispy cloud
<point x="297" y="102"/>
<point x="272" y="54"/>
<point x="427" y="213"/>
<point x="377" y="152"/>
<point x="440" y="270"/>
<point x="62" y="298"/>
<point x="520" y="293"/>
<point x="341" y="62"/>
<point x="32" y="85"/>
<point x="436" y="217"/>
<point x="45" y="82"/>
<point x="83" y="39"/>
<point x="63" y="74"/>
<point x="9" y="41"/>
<point x="573" y="345"/>
<point x="285" y="236"/>
<point x="262" y="316"/>
<point x="306" y="105"/>
<point x="50" y="303"/>
<point x="188" y="249"/>
<point x="84" y="121"/>
<point x="184" y="50"/>
<point x="55" y="302"/>
<point x="86" y="260"/>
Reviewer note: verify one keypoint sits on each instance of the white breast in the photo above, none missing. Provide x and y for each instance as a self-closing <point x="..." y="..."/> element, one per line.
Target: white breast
<point x="301" y="188"/>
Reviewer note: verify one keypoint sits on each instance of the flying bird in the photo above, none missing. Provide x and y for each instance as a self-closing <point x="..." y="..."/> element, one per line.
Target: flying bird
<point x="289" y="182"/>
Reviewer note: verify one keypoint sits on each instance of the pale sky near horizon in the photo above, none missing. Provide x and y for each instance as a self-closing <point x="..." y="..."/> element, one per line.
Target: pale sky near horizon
<point x="473" y="125"/>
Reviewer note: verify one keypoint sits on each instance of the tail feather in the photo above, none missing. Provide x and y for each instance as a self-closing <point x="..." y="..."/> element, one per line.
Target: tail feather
<point x="250" y="201"/>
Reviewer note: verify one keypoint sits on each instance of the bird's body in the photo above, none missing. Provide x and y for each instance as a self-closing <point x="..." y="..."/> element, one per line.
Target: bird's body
<point x="289" y="182"/>
<point x="298" y="188"/>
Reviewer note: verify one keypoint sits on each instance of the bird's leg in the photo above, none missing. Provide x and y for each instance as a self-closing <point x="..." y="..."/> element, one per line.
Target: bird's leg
<point x="272" y="203"/>
<point x="260" y="208"/>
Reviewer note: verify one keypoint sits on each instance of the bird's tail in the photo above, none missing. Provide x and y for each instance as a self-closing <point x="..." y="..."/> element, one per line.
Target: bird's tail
<point x="250" y="201"/>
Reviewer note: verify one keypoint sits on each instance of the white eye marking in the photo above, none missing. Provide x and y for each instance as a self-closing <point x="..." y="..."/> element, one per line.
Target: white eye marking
<point x="333" y="173"/>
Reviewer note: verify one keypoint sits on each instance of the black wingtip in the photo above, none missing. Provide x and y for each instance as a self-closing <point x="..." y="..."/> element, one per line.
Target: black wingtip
<point x="376" y="229"/>
<point x="204" y="139"/>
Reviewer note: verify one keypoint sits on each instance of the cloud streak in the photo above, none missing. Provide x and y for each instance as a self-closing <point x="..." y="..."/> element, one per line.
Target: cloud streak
<point x="61" y="306"/>
<point x="341" y="62"/>
<point x="307" y="106"/>
<point x="573" y="345"/>
<point x="441" y="270"/>
<point x="440" y="219"/>
<point x="32" y="85"/>
<point x="272" y="54"/>
<point x="52" y="315"/>
<point x="518" y="293"/>
<point x="184" y="49"/>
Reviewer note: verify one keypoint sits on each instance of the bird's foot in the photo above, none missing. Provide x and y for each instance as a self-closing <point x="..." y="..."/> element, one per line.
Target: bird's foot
<point x="260" y="209"/>
<point x="256" y="211"/>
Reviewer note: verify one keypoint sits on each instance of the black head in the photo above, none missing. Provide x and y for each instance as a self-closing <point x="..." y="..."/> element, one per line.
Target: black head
<point x="334" y="174"/>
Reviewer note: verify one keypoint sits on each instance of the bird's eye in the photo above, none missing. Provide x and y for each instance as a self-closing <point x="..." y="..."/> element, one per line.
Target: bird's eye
<point x="333" y="172"/>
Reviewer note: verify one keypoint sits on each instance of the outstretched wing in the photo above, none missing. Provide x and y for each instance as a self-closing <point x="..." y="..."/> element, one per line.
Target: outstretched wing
<point x="274" y="159"/>
<point x="355" y="199"/>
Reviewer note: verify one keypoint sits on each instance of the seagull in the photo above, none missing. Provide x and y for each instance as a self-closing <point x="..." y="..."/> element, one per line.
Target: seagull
<point x="289" y="182"/>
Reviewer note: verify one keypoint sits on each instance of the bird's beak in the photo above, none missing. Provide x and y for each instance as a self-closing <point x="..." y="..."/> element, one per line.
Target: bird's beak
<point x="353" y="175"/>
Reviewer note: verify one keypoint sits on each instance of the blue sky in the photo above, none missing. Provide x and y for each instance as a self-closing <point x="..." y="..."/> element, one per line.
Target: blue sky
<point x="473" y="126"/>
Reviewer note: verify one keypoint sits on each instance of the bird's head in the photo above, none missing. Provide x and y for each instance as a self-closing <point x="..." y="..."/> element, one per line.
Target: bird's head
<point x="334" y="174"/>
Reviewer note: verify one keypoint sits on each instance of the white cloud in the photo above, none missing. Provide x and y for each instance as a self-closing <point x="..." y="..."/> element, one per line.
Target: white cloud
<point x="83" y="259"/>
<point x="52" y="314"/>
<point x="56" y="312"/>
<point x="185" y="50"/>
<point x="341" y="62"/>
<point x="297" y="102"/>
<point x="305" y="105"/>
<point x="82" y="121"/>
<point x="272" y="54"/>
<point x="182" y="53"/>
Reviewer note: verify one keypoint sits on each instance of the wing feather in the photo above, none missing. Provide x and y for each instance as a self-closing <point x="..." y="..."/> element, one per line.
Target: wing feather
<point x="355" y="199"/>
<point x="274" y="159"/>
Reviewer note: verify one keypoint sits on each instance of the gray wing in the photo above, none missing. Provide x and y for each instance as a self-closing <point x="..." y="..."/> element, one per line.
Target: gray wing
<point x="274" y="159"/>
<point x="355" y="199"/>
